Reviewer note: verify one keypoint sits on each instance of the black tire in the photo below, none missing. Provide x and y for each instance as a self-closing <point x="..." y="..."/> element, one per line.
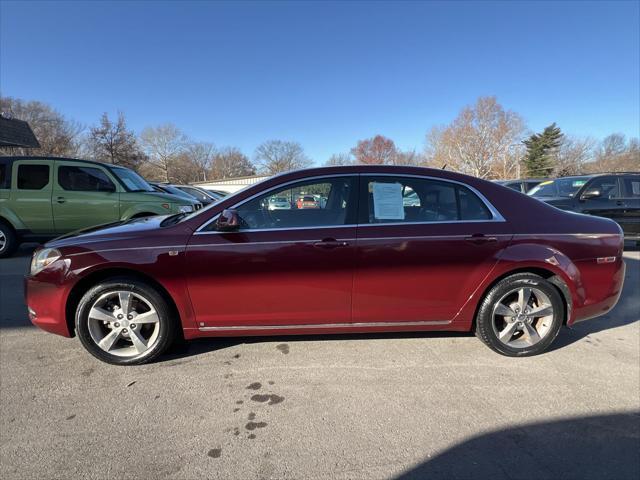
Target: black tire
<point x="484" y="328"/>
<point x="167" y="323"/>
<point x="10" y="244"/>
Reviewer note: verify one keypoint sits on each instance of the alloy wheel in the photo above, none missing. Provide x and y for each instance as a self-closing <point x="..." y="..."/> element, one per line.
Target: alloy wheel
<point x="3" y="240"/>
<point x="123" y="323"/>
<point x="522" y="317"/>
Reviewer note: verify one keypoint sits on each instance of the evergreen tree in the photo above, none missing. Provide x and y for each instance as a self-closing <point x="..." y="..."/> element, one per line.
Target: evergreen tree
<point x="541" y="149"/>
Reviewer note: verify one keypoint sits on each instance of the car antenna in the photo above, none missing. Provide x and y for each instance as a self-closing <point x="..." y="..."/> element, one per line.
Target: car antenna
<point x="444" y="167"/>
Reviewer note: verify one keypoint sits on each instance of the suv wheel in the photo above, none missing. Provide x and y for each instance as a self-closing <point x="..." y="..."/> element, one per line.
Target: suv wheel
<point x="124" y="322"/>
<point x="8" y="240"/>
<point x="520" y="316"/>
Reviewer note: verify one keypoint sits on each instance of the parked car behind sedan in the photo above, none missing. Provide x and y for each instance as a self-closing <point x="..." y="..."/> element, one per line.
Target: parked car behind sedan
<point x="42" y="197"/>
<point x="522" y="185"/>
<point x="205" y="197"/>
<point x="472" y="256"/>
<point x="610" y="195"/>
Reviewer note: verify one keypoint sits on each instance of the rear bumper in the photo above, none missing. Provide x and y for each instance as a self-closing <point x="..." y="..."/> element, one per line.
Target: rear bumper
<point x="601" y="288"/>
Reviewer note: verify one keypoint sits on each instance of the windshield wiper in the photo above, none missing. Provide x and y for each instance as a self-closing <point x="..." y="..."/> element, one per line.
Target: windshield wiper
<point x="173" y="219"/>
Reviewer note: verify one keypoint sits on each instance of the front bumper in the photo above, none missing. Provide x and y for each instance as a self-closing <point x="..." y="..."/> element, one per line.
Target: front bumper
<point x="46" y="305"/>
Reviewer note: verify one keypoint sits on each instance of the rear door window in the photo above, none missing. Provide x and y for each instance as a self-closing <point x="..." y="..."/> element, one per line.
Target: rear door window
<point x="33" y="177"/>
<point x="418" y="200"/>
<point x="631" y="185"/>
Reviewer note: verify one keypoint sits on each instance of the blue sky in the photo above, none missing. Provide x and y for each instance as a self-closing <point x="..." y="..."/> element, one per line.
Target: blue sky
<point x="325" y="74"/>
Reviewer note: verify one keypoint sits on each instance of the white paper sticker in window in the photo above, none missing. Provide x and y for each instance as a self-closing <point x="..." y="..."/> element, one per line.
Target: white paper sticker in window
<point x="387" y="201"/>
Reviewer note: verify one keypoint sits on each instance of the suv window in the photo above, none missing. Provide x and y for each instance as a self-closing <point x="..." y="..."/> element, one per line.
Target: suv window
<point x="5" y="178"/>
<point x="411" y="199"/>
<point x="84" y="179"/>
<point x="631" y="186"/>
<point x="319" y="203"/>
<point x="608" y="187"/>
<point x="33" y="177"/>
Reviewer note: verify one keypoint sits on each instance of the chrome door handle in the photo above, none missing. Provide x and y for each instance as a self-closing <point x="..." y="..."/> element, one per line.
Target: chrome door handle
<point x="479" y="238"/>
<point x="330" y="243"/>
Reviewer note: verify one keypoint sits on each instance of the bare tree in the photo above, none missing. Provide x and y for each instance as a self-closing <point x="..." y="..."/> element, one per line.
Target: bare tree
<point x="230" y="162"/>
<point x="56" y="134"/>
<point x="200" y="155"/>
<point x="163" y="146"/>
<point x="378" y="150"/>
<point x="616" y="154"/>
<point x="478" y="141"/>
<point x="339" y="159"/>
<point x="409" y="157"/>
<point x="277" y="156"/>
<point x="572" y="156"/>
<point x="114" y="143"/>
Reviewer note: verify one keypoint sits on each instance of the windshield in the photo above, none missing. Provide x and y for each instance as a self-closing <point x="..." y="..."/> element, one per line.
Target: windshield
<point x="131" y="180"/>
<point x="562" y="187"/>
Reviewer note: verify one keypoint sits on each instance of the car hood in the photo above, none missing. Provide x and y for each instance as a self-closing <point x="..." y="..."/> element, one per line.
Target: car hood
<point x="158" y="197"/>
<point x="554" y="200"/>
<point x="123" y="230"/>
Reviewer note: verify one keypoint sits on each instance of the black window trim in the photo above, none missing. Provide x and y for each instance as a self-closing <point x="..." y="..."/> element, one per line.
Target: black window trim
<point x="496" y="215"/>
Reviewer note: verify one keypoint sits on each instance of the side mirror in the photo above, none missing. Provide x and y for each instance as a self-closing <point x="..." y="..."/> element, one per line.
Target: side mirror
<point x="228" y="221"/>
<point x="591" y="193"/>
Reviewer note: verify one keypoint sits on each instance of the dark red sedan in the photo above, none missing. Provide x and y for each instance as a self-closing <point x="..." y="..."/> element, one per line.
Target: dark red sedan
<point x="391" y="249"/>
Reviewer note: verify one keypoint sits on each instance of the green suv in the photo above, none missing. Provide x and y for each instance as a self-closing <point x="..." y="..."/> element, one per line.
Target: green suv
<point x="42" y="197"/>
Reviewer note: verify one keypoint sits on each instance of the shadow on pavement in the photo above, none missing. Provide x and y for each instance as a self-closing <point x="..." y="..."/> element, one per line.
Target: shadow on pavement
<point x="597" y="447"/>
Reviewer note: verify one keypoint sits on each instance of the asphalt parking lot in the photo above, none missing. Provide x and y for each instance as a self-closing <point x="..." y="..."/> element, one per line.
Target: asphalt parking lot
<point x="367" y="406"/>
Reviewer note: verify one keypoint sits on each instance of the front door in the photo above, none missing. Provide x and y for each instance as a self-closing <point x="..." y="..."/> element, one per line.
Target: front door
<point x="424" y="245"/>
<point x="31" y="187"/>
<point x="84" y="195"/>
<point x="285" y="265"/>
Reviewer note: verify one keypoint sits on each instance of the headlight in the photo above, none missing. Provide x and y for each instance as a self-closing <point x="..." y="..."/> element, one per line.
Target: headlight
<point x="185" y="209"/>
<point x="43" y="258"/>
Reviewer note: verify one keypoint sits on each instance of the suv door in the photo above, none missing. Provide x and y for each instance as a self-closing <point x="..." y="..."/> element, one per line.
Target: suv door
<point x="418" y="262"/>
<point x="608" y="203"/>
<point x="630" y="220"/>
<point x="283" y="267"/>
<point x="31" y="187"/>
<point x="84" y="195"/>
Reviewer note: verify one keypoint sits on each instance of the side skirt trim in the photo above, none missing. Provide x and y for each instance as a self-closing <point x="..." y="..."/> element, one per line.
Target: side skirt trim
<point x="325" y="325"/>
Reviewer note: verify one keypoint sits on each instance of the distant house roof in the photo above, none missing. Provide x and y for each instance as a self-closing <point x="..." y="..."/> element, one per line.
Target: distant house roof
<point x="16" y="133"/>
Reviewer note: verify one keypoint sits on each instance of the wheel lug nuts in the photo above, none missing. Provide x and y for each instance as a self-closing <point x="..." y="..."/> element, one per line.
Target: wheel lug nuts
<point x="130" y="317"/>
<point x="124" y="330"/>
<point x="133" y="325"/>
<point x="116" y="324"/>
<point x="120" y="317"/>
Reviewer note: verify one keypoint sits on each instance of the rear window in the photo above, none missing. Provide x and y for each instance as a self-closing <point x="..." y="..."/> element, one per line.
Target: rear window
<point x="33" y="177"/>
<point x="5" y="180"/>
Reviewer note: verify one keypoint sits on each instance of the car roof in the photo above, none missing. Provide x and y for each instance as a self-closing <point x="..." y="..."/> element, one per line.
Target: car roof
<point x="54" y="158"/>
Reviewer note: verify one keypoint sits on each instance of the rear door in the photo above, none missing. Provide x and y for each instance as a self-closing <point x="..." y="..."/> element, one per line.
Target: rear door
<point x="609" y="203"/>
<point x="424" y="245"/>
<point x="31" y="187"/>
<point x="630" y="221"/>
<point x="84" y="195"/>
